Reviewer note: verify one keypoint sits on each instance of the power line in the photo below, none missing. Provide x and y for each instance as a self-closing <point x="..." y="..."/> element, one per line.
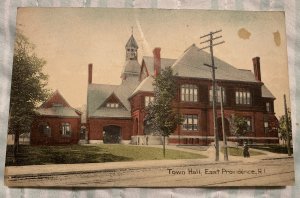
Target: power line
<point x="211" y="38"/>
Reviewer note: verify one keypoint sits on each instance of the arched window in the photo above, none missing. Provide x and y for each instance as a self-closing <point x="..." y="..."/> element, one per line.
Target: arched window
<point x="189" y="93"/>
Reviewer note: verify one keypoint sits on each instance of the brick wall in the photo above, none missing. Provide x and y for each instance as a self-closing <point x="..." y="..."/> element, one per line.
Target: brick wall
<point x="39" y="138"/>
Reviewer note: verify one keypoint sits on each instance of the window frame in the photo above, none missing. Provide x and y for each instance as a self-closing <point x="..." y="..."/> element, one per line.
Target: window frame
<point x="250" y="124"/>
<point x="189" y="93"/>
<point x="243" y="97"/>
<point x="268" y="106"/>
<point x="147" y="100"/>
<point x="218" y="94"/>
<point x="266" y="126"/>
<point x="113" y="105"/>
<point x="46" y="130"/>
<point x="63" y="130"/>
<point x="190" y="123"/>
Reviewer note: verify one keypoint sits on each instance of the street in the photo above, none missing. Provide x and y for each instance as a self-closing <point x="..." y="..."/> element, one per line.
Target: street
<point x="267" y="172"/>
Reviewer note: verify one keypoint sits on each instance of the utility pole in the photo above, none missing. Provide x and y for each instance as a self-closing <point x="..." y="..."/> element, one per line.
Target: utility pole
<point x="223" y="127"/>
<point x="287" y="127"/>
<point x="210" y="40"/>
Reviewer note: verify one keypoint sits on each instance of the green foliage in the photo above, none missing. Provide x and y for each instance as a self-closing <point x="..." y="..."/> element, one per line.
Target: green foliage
<point x="272" y="148"/>
<point x="161" y="115"/>
<point x="238" y="126"/>
<point x="233" y="151"/>
<point x="283" y="129"/>
<point x="73" y="154"/>
<point x="27" y="86"/>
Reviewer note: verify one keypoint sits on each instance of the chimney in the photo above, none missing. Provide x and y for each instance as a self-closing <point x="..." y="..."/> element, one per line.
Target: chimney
<point x="156" y="61"/>
<point x="90" y="77"/>
<point x="256" y="68"/>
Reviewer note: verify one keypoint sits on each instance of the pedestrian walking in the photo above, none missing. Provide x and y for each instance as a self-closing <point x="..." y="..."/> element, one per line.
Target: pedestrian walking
<point x="147" y="139"/>
<point x="246" y="150"/>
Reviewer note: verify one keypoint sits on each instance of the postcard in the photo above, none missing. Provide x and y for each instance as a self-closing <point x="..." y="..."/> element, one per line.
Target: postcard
<point x="105" y="97"/>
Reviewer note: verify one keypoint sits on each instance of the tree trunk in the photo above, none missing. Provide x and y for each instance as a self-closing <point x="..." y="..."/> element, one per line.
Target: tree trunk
<point x="16" y="145"/>
<point x="164" y="146"/>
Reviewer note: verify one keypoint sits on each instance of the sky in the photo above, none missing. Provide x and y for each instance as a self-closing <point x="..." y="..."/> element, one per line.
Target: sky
<point x="71" y="38"/>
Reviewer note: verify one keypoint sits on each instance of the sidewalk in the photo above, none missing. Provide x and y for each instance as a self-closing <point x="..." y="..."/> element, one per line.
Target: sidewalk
<point x="62" y="169"/>
<point x="210" y="153"/>
<point x="98" y="167"/>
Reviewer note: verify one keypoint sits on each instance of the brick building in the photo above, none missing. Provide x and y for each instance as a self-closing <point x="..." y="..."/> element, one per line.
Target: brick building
<point x="116" y="113"/>
<point x="56" y="123"/>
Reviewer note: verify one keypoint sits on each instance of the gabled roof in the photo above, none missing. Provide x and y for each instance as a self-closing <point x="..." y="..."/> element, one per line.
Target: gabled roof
<point x="149" y="62"/>
<point x="266" y="93"/>
<point x="145" y="86"/>
<point x="111" y="99"/>
<point x="58" y="112"/>
<point x="55" y="98"/>
<point x="98" y="94"/>
<point x="191" y="64"/>
<point x="57" y="106"/>
<point x="131" y="43"/>
<point x="106" y="112"/>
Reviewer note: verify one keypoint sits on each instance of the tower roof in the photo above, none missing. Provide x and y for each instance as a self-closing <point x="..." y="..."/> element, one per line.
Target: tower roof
<point x="131" y="43"/>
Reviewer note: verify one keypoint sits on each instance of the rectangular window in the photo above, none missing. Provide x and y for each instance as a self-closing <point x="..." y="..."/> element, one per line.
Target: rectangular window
<point x="112" y="105"/>
<point x="236" y="97"/>
<point x="242" y="97"/>
<point x="148" y="99"/>
<point x="45" y="129"/>
<point x="189" y="93"/>
<point x="248" y="98"/>
<point x="190" y="123"/>
<point x="249" y="123"/>
<point x="218" y="94"/>
<point x="266" y="126"/>
<point x="268" y="107"/>
<point x="66" y="129"/>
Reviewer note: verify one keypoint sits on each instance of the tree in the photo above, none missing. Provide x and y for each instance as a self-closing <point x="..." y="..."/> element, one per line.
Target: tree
<point x="238" y="126"/>
<point x="161" y="115"/>
<point x="28" y="87"/>
<point x="283" y="129"/>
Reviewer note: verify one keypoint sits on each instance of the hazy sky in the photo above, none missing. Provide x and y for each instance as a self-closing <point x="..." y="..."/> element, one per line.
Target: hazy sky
<point x="71" y="38"/>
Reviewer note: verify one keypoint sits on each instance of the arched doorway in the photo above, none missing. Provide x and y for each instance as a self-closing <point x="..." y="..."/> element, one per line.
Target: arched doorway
<point x="111" y="134"/>
<point x="226" y="126"/>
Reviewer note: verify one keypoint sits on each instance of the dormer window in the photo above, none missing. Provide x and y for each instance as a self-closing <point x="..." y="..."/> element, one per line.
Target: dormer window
<point x="112" y="105"/>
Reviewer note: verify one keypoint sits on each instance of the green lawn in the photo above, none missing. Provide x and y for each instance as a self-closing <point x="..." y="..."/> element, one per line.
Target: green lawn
<point x="272" y="148"/>
<point x="39" y="155"/>
<point x="233" y="151"/>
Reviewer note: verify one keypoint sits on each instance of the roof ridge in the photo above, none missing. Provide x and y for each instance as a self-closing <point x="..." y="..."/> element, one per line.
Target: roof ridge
<point x="160" y="58"/>
<point x="56" y="92"/>
<point x="97" y="84"/>
<point x="185" y="52"/>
